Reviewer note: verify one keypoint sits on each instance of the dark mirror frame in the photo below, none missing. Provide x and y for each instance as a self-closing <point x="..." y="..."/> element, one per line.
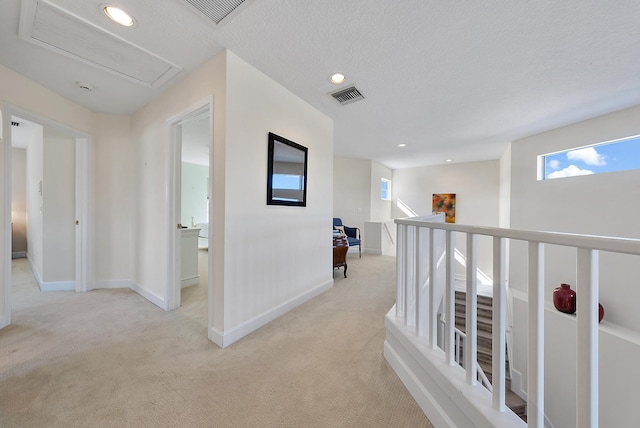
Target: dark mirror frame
<point x="272" y="159"/>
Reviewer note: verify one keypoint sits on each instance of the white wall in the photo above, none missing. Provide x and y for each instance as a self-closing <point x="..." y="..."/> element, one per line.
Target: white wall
<point x="476" y="185"/>
<point x="380" y="209"/>
<point x="58" y="208"/>
<point x="603" y="204"/>
<point x="194" y="202"/>
<point x="352" y="191"/>
<point x="35" y="202"/>
<point x="28" y="96"/>
<point x="288" y="248"/>
<point x="112" y="200"/>
<point x="265" y="258"/>
<point x="150" y="155"/>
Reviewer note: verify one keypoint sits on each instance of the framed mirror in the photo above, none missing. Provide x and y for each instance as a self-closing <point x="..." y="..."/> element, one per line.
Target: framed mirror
<point x="286" y="172"/>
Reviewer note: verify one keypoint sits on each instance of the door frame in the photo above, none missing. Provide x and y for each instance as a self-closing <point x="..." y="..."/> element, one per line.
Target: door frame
<point x="82" y="195"/>
<point x="174" y="190"/>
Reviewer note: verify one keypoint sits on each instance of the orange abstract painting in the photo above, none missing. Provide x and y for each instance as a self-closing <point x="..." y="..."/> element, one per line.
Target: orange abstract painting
<point x="445" y="203"/>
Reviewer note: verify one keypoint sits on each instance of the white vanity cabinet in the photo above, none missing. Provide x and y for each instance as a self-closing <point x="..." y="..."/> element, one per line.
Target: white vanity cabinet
<point x="189" y="257"/>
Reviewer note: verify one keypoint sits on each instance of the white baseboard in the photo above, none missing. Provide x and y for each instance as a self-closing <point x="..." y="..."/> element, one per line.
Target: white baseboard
<point x="226" y="338"/>
<point x="19" y="255"/>
<point x="375" y="251"/>
<point x="153" y="298"/>
<point x="188" y="282"/>
<point x="111" y="283"/>
<point x="57" y="286"/>
<point x="4" y="321"/>
<point x="46" y="286"/>
<point x="516" y="384"/>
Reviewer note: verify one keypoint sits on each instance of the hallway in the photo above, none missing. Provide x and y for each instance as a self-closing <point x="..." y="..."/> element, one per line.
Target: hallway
<point x="110" y="358"/>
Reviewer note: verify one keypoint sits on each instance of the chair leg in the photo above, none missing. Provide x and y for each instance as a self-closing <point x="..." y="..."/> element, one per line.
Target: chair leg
<point x="360" y="250"/>
<point x="345" y="270"/>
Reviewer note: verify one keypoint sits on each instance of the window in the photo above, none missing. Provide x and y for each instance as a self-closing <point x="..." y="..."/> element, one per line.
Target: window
<point x="610" y="156"/>
<point x="385" y="189"/>
<point x="288" y="182"/>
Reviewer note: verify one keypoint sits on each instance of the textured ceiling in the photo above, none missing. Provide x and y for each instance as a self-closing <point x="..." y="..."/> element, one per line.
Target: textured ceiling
<point x="451" y="80"/>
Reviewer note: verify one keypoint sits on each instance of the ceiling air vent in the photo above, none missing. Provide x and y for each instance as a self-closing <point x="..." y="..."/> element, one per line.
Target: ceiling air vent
<point x="348" y="95"/>
<point x="216" y="10"/>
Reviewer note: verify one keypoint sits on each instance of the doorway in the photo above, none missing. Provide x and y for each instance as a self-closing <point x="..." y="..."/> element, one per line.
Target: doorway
<point x="51" y="219"/>
<point x="189" y="259"/>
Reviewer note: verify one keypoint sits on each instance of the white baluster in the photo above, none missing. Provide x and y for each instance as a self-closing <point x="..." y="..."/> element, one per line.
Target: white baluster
<point x="433" y="283"/>
<point x="535" y="404"/>
<point x="420" y="300"/>
<point x="450" y="315"/>
<point x="400" y="272"/>
<point x="471" y="341"/>
<point x="588" y="290"/>
<point x="499" y="324"/>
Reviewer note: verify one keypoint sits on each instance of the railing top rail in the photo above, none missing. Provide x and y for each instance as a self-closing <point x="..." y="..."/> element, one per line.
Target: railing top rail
<point x="603" y="243"/>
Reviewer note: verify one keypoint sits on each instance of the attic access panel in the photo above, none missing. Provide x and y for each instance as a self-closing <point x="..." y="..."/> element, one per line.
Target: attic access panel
<point x="60" y="31"/>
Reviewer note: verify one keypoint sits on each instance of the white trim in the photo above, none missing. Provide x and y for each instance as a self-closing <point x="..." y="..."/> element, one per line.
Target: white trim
<point x="440" y="389"/>
<point x="112" y="284"/>
<point x="83" y="192"/>
<point x="18" y="254"/>
<point x="46" y="286"/>
<point x="83" y="186"/>
<point x="57" y="286"/>
<point x="5" y="253"/>
<point x="152" y="297"/>
<point x="188" y="282"/>
<point x="173" y="284"/>
<point x="227" y="337"/>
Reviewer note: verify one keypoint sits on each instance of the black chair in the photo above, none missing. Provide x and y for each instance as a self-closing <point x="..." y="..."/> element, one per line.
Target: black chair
<point x="353" y="234"/>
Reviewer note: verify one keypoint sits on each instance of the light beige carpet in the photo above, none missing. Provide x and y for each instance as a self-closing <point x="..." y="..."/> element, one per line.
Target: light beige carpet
<point x="109" y="358"/>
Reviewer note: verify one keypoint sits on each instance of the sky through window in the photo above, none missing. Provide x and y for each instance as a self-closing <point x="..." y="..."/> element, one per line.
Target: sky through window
<point x="620" y="155"/>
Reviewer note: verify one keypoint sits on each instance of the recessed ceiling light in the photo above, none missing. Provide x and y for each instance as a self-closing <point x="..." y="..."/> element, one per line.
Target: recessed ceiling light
<point x="449" y="160"/>
<point x="118" y="15"/>
<point x="402" y="145"/>
<point x="337" y="78"/>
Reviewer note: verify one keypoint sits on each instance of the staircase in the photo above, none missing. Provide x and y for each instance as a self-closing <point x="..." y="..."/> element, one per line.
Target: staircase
<point x="485" y="314"/>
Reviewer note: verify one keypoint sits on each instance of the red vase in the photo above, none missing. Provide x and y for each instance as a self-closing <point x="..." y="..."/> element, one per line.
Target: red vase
<point x="564" y="299"/>
<point x="600" y="312"/>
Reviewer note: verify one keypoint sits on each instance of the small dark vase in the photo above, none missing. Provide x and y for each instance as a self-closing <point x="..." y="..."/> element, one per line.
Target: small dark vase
<point x="600" y="312"/>
<point x="564" y="299"/>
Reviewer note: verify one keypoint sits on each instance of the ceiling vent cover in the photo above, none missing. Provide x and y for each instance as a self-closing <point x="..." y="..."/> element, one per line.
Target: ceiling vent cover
<point x="348" y="95"/>
<point x="216" y="10"/>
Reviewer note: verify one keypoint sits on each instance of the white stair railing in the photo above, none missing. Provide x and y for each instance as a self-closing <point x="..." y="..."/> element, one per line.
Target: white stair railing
<point x="417" y="304"/>
<point x="481" y="375"/>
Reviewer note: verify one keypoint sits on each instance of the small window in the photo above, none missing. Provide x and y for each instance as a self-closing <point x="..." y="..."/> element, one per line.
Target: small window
<point x="385" y="189"/>
<point x="288" y="182"/>
<point x="610" y="156"/>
